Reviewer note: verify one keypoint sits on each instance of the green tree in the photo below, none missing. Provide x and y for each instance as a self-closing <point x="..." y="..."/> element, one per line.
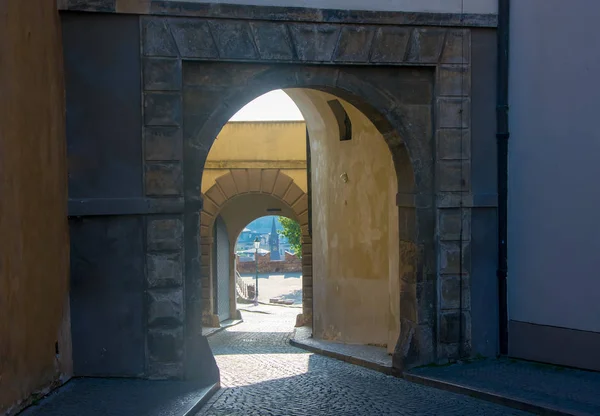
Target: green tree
<point x="291" y="231"/>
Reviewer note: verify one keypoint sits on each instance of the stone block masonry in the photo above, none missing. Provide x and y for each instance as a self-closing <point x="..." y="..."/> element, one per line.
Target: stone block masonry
<point x="166" y="309"/>
<point x="438" y="133"/>
<point x="198" y="67"/>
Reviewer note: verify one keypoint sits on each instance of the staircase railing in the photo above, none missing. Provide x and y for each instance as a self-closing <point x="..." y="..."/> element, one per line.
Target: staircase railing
<point x="245" y="292"/>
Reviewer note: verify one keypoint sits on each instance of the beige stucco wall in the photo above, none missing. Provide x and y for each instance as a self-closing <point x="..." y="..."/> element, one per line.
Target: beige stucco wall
<point x="258" y="145"/>
<point x="355" y="240"/>
<point x="34" y="262"/>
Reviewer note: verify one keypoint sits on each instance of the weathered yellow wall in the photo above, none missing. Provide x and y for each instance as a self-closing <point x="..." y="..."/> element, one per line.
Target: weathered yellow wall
<point x="355" y="247"/>
<point x="33" y="202"/>
<point x="261" y="145"/>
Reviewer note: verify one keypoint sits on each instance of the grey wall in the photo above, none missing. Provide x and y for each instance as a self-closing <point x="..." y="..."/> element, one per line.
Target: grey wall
<point x="101" y="55"/>
<point x="104" y="144"/>
<point x="437" y="6"/>
<point x="484" y="249"/>
<point x="107" y="296"/>
<point x="554" y="201"/>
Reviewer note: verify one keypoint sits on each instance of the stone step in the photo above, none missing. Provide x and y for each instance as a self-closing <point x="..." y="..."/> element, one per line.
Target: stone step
<point x="123" y="397"/>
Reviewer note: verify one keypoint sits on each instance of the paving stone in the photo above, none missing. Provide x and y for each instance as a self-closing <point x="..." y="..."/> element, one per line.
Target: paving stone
<point x="262" y="374"/>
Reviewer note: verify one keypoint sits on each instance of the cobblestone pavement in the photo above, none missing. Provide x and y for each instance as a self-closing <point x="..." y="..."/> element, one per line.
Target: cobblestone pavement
<point x="261" y="374"/>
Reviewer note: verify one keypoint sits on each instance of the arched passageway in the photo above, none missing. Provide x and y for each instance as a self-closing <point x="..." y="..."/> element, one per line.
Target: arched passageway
<point x="239" y="197"/>
<point x="351" y="318"/>
<point x="413" y="99"/>
<point x="405" y="80"/>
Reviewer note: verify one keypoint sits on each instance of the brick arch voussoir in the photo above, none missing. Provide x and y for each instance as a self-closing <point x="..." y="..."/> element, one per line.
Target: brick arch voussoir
<point x="238" y="182"/>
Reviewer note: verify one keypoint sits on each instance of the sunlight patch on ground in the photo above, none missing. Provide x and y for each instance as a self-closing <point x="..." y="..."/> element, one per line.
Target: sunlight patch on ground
<point x="262" y="329"/>
<point x="257" y="367"/>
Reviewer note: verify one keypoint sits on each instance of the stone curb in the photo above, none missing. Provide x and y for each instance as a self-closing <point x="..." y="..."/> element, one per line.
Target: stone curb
<point x="342" y="357"/>
<point x="207" y="396"/>
<point x="508" y="401"/>
<point x="210" y="401"/>
<point x="217" y="330"/>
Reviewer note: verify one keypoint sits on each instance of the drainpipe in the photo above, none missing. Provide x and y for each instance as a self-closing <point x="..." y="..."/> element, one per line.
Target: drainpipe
<point x="502" y="136"/>
<point x="309" y="182"/>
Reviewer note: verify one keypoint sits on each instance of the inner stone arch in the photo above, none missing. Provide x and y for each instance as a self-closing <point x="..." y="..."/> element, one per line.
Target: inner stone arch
<point x="239" y="197"/>
<point x="404" y="332"/>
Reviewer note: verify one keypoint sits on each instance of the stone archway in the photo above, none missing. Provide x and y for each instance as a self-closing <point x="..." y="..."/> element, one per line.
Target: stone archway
<point x="237" y="182"/>
<point x="407" y="80"/>
<point x="405" y="123"/>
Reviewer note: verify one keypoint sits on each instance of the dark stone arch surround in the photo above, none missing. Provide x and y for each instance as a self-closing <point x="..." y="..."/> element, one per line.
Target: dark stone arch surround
<point x="411" y="82"/>
<point x="410" y="73"/>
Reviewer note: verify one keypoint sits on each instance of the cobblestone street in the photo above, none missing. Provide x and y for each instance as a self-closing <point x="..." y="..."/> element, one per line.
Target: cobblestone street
<point x="261" y="374"/>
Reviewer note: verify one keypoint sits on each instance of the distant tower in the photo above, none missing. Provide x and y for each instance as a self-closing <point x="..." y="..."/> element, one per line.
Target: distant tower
<point x="274" y="242"/>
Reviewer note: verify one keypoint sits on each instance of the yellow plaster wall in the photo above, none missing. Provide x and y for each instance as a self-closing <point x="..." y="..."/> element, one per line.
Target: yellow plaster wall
<point x="355" y="243"/>
<point x="261" y="145"/>
<point x="34" y="253"/>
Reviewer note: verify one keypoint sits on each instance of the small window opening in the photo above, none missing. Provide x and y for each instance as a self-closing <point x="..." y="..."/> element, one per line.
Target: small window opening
<point x="342" y="118"/>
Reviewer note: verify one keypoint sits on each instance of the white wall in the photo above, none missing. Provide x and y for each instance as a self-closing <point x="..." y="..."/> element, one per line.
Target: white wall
<point x="434" y="6"/>
<point x="554" y="167"/>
